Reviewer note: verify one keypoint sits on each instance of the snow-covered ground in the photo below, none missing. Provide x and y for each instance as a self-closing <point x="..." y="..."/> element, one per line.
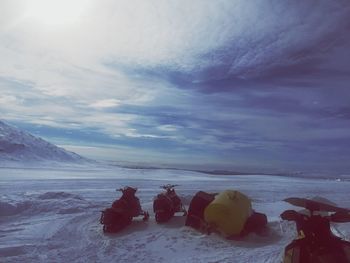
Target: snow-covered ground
<point x="52" y="215"/>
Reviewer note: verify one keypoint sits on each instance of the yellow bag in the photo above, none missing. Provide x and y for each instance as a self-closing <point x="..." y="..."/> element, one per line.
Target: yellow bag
<point x="228" y="212"/>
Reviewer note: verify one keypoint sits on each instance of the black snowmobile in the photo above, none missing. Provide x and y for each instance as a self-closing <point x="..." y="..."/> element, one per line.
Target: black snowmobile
<point x="316" y="243"/>
<point x="122" y="211"/>
<point x="166" y="204"/>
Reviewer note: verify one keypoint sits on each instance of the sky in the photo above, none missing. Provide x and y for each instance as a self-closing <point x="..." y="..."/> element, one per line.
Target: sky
<point x="259" y="85"/>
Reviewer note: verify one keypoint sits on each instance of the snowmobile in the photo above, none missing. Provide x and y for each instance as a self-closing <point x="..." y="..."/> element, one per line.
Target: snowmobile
<point x="166" y="204"/>
<point x="316" y="242"/>
<point x="122" y="211"/>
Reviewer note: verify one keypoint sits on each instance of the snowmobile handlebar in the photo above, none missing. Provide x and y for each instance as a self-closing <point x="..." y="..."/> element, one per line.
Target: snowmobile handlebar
<point x="168" y="186"/>
<point x="337" y="217"/>
<point x="340" y="217"/>
<point x="125" y="188"/>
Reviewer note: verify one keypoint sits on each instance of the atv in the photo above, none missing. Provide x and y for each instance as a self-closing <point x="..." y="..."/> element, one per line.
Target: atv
<point x="122" y="211"/>
<point x="167" y="203"/>
<point x="316" y="243"/>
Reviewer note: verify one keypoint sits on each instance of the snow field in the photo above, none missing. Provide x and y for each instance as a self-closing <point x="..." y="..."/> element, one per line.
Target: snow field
<point x="57" y="219"/>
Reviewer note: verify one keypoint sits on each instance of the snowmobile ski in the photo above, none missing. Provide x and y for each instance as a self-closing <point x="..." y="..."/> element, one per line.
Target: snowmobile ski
<point x="313" y="205"/>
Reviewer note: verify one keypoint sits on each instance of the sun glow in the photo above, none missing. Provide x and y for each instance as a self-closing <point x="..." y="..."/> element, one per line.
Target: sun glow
<point x="56" y="12"/>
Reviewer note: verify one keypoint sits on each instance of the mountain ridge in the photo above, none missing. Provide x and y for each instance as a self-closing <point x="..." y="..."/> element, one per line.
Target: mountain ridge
<point x="20" y="146"/>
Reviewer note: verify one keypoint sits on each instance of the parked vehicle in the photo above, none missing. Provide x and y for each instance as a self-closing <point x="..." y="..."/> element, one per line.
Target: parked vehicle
<point x="166" y="204"/>
<point x="122" y="212"/>
<point x="316" y="243"/>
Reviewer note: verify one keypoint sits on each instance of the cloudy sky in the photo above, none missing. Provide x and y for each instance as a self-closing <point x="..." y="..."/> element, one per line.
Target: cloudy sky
<point x="224" y="84"/>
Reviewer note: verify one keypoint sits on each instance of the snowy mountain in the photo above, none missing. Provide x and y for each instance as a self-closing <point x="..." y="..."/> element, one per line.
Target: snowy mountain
<point x="17" y="146"/>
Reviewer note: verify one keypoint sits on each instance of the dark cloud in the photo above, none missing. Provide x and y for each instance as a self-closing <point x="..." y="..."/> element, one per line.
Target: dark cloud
<point x="299" y="43"/>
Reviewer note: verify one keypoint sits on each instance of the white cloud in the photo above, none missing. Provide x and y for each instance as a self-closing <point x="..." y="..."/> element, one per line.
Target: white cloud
<point x="6" y="99"/>
<point x="168" y="128"/>
<point x="66" y="60"/>
<point x="108" y="103"/>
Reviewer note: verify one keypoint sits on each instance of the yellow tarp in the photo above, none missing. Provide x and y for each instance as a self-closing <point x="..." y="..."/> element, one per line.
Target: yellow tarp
<point x="228" y="212"/>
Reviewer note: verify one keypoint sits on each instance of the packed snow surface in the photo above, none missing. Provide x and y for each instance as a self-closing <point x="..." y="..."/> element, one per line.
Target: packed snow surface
<point x="52" y="215"/>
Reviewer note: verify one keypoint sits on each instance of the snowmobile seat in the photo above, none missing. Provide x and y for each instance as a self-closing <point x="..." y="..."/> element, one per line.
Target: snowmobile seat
<point x="254" y="224"/>
<point x="195" y="215"/>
